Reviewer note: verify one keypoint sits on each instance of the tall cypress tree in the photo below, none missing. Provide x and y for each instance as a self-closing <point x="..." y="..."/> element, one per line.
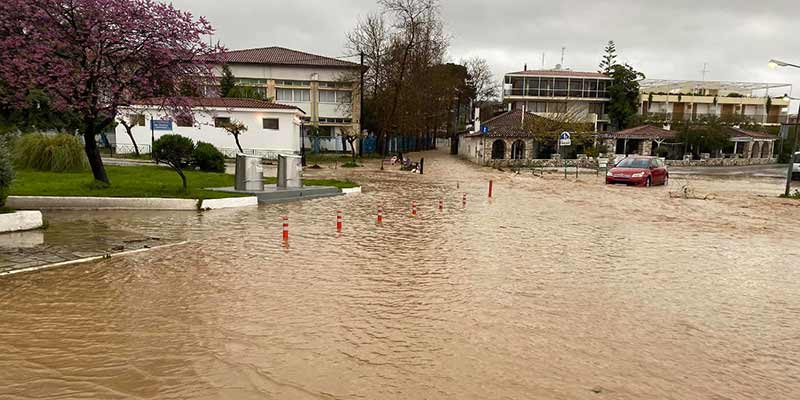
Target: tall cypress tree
<point x="609" y="59"/>
<point x="227" y="82"/>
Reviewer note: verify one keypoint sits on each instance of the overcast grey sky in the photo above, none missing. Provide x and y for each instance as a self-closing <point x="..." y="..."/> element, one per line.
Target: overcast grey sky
<point x="664" y="39"/>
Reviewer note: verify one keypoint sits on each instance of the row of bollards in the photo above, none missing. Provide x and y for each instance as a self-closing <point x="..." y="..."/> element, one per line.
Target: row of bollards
<point x="339" y="219"/>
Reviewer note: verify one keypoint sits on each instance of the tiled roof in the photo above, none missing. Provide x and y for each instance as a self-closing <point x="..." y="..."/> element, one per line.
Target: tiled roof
<point x="562" y="73"/>
<point x="642" y="132"/>
<point x="737" y="132"/>
<point x="215" y="102"/>
<point x="282" y="56"/>
<point x="508" y="124"/>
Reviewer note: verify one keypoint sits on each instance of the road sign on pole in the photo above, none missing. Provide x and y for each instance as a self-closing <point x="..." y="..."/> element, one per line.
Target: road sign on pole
<point x="565" y="139"/>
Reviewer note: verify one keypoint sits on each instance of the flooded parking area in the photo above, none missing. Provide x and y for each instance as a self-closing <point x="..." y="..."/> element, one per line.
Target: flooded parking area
<point x="552" y="289"/>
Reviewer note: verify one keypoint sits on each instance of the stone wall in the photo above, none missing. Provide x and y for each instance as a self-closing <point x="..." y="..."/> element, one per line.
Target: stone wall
<point x="722" y="162"/>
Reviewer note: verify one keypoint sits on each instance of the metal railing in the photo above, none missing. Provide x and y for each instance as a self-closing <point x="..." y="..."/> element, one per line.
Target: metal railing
<point x="579" y="94"/>
<point x="753" y="118"/>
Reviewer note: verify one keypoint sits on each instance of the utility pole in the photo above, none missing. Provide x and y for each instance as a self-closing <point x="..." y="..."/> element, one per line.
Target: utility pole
<point x="791" y="156"/>
<point x="361" y="110"/>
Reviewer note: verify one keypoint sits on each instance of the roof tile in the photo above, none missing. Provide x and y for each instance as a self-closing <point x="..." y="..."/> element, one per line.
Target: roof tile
<point x="283" y="56"/>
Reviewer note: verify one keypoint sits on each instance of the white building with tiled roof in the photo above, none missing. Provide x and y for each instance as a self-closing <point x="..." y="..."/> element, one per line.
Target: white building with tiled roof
<point x="272" y="128"/>
<point x="324" y="87"/>
<point x="548" y="93"/>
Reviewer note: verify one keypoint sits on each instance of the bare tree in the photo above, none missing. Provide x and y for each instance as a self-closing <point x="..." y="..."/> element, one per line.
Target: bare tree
<point x="480" y="79"/>
<point x="128" y="125"/>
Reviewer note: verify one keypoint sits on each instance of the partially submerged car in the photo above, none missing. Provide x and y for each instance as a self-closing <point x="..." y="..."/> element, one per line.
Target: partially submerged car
<point x="639" y="171"/>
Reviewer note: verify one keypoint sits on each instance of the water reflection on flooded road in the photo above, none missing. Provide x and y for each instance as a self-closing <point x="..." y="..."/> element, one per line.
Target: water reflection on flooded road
<point x="552" y="289"/>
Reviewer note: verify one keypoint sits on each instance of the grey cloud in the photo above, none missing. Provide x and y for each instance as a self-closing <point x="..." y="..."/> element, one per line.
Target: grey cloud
<point x="664" y="39"/>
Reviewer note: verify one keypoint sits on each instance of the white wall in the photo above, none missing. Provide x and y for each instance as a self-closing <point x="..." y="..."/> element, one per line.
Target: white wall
<point x="285" y="140"/>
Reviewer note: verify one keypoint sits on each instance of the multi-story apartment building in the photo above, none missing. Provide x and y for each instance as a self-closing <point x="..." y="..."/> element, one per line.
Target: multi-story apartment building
<point x="667" y="101"/>
<point x="554" y="93"/>
<point x="324" y="88"/>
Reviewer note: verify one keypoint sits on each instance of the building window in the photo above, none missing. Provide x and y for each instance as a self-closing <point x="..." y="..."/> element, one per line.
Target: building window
<point x="596" y="108"/>
<point x="184" y="120"/>
<point x="293" y="95"/>
<point x="557" y="107"/>
<point x="221" y="122"/>
<point x="330" y="120"/>
<point x="537" y="107"/>
<point x="327" y="96"/>
<point x="270" y="123"/>
<point x="137" y="120"/>
<point x="326" y="131"/>
<point x="293" y="83"/>
<point x="251" y="82"/>
<point x="330" y="96"/>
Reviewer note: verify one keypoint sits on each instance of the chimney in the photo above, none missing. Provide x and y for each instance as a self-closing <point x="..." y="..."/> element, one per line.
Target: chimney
<point x="525" y="68"/>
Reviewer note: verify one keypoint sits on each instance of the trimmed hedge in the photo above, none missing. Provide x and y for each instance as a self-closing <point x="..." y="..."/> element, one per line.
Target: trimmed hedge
<point x="207" y="158"/>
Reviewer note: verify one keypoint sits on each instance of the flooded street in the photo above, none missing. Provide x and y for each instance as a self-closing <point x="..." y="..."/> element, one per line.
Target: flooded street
<point x="553" y="289"/>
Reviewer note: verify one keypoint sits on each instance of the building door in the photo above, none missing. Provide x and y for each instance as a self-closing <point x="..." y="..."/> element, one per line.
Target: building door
<point x="498" y="150"/>
<point x="677" y="111"/>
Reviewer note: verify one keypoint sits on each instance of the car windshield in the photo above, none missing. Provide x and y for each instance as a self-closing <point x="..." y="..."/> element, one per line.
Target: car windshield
<point x="634" y="163"/>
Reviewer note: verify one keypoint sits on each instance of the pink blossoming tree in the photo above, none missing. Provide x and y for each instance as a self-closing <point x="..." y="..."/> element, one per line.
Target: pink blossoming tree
<point x="94" y="56"/>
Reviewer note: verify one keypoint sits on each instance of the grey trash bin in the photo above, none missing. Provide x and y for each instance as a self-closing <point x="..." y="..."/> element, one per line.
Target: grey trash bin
<point x="290" y="172"/>
<point x="249" y="173"/>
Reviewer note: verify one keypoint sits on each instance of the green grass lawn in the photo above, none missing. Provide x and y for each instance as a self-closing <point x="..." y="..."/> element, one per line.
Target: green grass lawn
<point x="127" y="181"/>
<point x="136" y="181"/>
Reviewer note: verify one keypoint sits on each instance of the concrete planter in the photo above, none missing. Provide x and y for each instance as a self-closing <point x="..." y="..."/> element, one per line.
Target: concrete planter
<point x="21" y="221"/>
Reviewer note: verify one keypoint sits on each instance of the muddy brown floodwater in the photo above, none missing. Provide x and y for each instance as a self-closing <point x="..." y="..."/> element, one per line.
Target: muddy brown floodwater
<point x="553" y="289"/>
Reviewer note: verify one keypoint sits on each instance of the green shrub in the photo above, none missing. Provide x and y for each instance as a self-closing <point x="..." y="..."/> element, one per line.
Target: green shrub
<point x="6" y="173"/>
<point x="53" y="153"/>
<point x="175" y="151"/>
<point x="350" y="164"/>
<point x="206" y="157"/>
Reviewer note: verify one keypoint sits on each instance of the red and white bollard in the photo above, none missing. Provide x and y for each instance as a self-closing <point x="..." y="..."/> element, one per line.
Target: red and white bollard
<point x="414" y="208"/>
<point x="491" y="184"/>
<point x="339" y="221"/>
<point x="285" y="228"/>
<point x="441" y="205"/>
<point x="380" y="215"/>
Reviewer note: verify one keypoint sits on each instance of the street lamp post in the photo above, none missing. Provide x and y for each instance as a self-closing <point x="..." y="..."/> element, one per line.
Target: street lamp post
<point x="302" y="143"/>
<point x="775" y="64"/>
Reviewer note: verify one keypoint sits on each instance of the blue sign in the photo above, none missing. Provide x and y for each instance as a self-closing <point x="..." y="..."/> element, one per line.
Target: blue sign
<point x="485" y="130"/>
<point x="565" y="136"/>
<point x="161" y="124"/>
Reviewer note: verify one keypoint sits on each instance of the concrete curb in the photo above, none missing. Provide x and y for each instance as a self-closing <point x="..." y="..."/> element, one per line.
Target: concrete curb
<point x="354" y="190"/>
<point x="124" y="203"/>
<point x="230" y="202"/>
<point x="20" y="221"/>
<point x="99" y="203"/>
<point x="88" y="259"/>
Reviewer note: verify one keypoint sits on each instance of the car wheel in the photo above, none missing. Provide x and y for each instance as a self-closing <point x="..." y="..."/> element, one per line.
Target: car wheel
<point x="666" y="180"/>
<point x="648" y="182"/>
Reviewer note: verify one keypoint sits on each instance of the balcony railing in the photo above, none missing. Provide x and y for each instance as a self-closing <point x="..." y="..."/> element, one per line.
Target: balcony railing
<point x="578" y="94"/>
<point x="732" y="118"/>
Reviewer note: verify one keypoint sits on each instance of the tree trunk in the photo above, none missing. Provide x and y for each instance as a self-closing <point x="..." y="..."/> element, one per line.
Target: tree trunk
<point x="344" y="144"/>
<point x="183" y="177"/>
<point x="352" y="147"/>
<point x="93" y="154"/>
<point x="236" y="138"/>
<point x="135" y="146"/>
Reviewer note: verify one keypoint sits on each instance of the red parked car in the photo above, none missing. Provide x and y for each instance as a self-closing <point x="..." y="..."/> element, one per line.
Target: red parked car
<point x="639" y="171"/>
